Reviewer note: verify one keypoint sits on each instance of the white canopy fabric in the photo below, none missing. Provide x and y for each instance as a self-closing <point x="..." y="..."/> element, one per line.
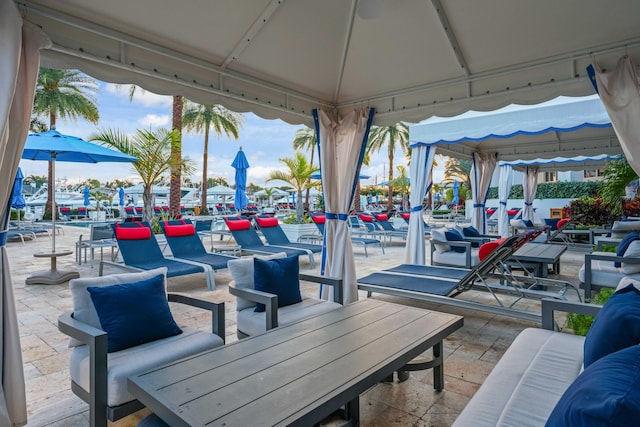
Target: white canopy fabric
<point x="282" y="58"/>
<point x="620" y="93"/>
<point x="341" y="146"/>
<point x="220" y="190"/>
<point x="20" y="43"/>
<point x="529" y="189"/>
<point x="504" y="188"/>
<point x="420" y="175"/>
<point x="481" y="172"/>
<point x="562" y="163"/>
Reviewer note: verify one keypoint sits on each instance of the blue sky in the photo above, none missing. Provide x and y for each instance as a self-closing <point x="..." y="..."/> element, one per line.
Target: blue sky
<point x="263" y="141"/>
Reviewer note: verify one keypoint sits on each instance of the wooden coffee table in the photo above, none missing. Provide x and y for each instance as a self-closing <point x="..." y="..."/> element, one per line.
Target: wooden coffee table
<point x="296" y="374"/>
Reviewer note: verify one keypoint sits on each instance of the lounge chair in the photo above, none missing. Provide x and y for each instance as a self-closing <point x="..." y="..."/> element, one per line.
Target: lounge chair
<point x="385" y="224"/>
<point x="364" y="226"/>
<point x="248" y="239"/>
<point x="140" y="251"/>
<point x="185" y="244"/>
<point x="100" y="237"/>
<point x="319" y="221"/>
<point x="492" y="274"/>
<point x="274" y="234"/>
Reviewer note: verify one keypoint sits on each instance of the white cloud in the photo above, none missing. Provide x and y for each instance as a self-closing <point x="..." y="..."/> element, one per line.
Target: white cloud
<point x="141" y="96"/>
<point x="258" y="174"/>
<point x="155" y="120"/>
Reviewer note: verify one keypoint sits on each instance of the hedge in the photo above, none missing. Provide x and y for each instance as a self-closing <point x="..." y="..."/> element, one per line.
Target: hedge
<point x="553" y="190"/>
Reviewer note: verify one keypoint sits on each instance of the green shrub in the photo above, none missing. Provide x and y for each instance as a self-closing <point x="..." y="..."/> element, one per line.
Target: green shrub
<point x="553" y="190"/>
<point x="581" y="323"/>
<point x="595" y="210"/>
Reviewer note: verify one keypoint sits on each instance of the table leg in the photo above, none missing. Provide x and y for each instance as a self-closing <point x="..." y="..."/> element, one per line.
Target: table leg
<point x="352" y="411"/>
<point x="436" y="363"/>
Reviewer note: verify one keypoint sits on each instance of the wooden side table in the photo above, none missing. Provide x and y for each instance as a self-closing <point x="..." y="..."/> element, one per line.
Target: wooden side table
<point x="52" y="276"/>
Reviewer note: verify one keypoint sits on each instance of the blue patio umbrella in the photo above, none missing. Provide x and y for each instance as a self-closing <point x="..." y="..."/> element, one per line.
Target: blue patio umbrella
<point x="17" y="200"/>
<point x="121" y="199"/>
<point x="53" y="145"/>
<point x="240" y="164"/>
<point x="455" y="193"/>
<point x="86" y="193"/>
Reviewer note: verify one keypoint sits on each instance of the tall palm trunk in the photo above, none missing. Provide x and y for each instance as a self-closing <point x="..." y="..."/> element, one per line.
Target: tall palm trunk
<point x="299" y="208"/>
<point x="176" y="153"/>
<point x="49" y="208"/>
<point x="390" y="191"/>
<point x="205" y="160"/>
<point x="306" y="199"/>
<point x="147" y="203"/>
<point x="356" y="198"/>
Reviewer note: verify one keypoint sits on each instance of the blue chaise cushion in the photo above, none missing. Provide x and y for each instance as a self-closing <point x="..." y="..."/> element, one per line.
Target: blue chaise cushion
<point x="278" y="276"/>
<point x="607" y="393"/>
<point x="134" y="313"/>
<point x="617" y="326"/>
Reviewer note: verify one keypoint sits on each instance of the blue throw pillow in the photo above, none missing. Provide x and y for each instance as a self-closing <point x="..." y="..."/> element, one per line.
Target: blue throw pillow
<point x="528" y="223"/>
<point x="278" y="276"/>
<point x="624" y="245"/>
<point x="134" y="313"/>
<point x="617" y="326"/>
<point x="607" y="393"/>
<point x="470" y="231"/>
<point x="453" y="236"/>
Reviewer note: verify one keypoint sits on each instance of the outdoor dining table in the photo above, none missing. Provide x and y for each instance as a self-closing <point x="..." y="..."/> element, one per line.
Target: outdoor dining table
<point x="297" y="374"/>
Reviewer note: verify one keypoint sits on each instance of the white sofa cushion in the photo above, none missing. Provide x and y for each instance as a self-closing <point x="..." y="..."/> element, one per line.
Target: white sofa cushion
<point x="604" y="273"/>
<point x="527" y="382"/>
<point x="252" y="323"/>
<point x="242" y="273"/>
<point x="438" y="235"/>
<point x="619" y="229"/>
<point x="83" y="308"/>
<point x="456" y="258"/>
<point x="633" y="251"/>
<point x="137" y="359"/>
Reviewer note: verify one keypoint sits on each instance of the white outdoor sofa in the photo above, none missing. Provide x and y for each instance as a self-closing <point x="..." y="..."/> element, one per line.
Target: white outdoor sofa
<point x="532" y="375"/>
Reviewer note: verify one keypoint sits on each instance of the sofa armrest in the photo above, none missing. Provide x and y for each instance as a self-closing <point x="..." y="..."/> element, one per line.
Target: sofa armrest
<point x="550" y="306"/>
<point x="270" y="302"/>
<point x="337" y="283"/>
<point x="216" y="309"/>
<point x="600" y="256"/>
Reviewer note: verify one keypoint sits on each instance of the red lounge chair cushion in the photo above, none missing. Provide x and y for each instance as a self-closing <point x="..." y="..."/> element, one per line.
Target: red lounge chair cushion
<point x="405" y="215"/>
<point x="319" y="219"/>
<point x="133" y="233"/>
<point x="488" y="247"/>
<point x="366" y="218"/>
<point x="179" y="230"/>
<point x="382" y="217"/>
<point x="238" y="224"/>
<point x="562" y="222"/>
<point x="267" y="222"/>
<point x="512" y="211"/>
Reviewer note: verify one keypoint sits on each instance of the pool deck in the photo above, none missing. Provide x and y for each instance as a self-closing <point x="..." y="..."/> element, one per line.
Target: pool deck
<point x="470" y="353"/>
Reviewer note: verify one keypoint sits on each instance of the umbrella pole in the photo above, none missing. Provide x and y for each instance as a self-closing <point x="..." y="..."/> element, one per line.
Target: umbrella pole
<point x="54" y="211"/>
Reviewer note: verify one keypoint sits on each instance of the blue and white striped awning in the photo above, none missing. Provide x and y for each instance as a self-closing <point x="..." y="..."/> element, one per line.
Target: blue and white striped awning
<point x="563" y="163"/>
<point x="565" y="127"/>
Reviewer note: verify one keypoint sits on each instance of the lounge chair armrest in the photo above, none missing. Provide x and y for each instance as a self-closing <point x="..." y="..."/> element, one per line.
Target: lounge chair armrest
<point x="550" y="306"/>
<point x="84" y="333"/>
<point x="481" y="239"/>
<point x="216" y="309"/>
<point x="609" y="256"/>
<point x="270" y="302"/>
<point x="458" y="244"/>
<point x="336" y="282"/>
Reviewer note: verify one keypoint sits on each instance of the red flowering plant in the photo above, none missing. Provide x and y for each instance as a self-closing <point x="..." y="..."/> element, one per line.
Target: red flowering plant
<point x="631" y="207"/>
<point x="596" y="211"/>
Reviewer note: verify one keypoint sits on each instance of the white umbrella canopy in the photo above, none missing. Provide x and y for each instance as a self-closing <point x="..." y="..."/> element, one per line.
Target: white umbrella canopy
<point x="440" y="58"/>
<point x="220" y="190"/>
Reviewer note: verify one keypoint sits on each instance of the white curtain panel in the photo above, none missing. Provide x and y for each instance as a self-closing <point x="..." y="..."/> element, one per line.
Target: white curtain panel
<point x="619" y="91"/>
<point x="341" y="143"/>
<point x="529" y="189"/>
<point x="481" y="172"/>
<point x="504" y="188"/>
<point x="420" y="176"/>
<point x="20" y="44"/>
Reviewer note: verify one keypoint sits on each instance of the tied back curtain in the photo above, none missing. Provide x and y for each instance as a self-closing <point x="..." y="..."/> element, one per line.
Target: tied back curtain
<point x="341" y="146"/>
<point x="504" y="188"/>
<point x="420" y="177"/>
<point x="20" y="44"/>
<point x="481" y="172"/>
<point x="619" y="91"/>
<point x="529" y="189"/>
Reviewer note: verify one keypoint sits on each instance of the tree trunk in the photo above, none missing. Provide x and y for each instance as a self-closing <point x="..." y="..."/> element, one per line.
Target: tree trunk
<point x="390" y="191"/>
<point x="306" y="199"/>
<point x="205" y="159"/>
<point x="176" y="154"/>
<point x="48" y="208"/>
<point x="356" y="198"/>
<point x="299" y="209"/>
<point x="147" y="200"/>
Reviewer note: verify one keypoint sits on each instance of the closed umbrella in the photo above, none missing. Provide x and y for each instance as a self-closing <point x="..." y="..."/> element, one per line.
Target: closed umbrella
<point x="240" y="164"/>
<point x="17" y="200"/>
<point x="121" y="200"/>
<point x="51" y="146"/>
<point x="86" y="200"/>
<point x="455" y="195"/>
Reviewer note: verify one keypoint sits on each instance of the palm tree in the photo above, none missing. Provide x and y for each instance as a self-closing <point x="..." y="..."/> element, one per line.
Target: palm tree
<point x="297" y="176"/>
<point x="199" y="118"/>
<point x="390" y="136"/>
<point x="153" y="150"/>
<point x="65" y="94"/>
<point x="305" y="139"/>
<point x="401" y="183"/>
<point x="176" y="155"/>
<point x="458" y="170"/>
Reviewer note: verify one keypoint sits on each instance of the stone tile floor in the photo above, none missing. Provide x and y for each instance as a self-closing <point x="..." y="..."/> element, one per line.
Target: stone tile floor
<point x="470" y="353"/>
